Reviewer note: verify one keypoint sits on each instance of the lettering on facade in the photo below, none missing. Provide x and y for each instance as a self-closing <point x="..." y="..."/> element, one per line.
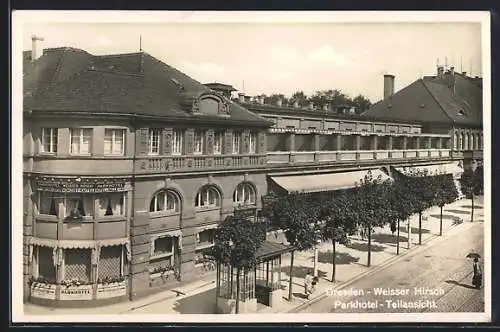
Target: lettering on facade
<point x="64" y="186"/>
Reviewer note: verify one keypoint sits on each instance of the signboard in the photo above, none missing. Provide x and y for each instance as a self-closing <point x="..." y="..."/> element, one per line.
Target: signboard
<point x="81" y="186"/>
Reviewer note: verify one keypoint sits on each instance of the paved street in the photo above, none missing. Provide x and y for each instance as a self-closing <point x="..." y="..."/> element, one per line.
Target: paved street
<point x="441" y="270"/>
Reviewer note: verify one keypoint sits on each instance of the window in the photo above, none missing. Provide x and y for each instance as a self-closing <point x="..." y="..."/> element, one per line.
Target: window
<point x="78" y="205"/>
<point x="218" y="142"/>
<point x="114" y="141"/>
<point x="43" y="259"/>
<point x="154" y="141"/>
<point x="110" y="262"/>
<point x="244" y="194"/>
<point x="49" y="140"/>
<point x="164" y="201"/>
<point x="198" y="142"/>
<point x="77" y="264"/>
<point x="252" y="143"/>
<point x="204" y="241"/>
<point x="312" y="128"/>
<point x="290" y="127"/>
<point x="177" y="142"/>
<point x="236" y="142"/>
<point x="111" y="204"/>
<point x="49" y="203"/>
<point x="81" y="141"/>
<point x="163" y="248"/>
<point x="207" y="197"/>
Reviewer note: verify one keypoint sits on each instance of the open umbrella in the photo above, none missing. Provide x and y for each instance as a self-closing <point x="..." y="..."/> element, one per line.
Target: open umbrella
<point x="473" y="255"/>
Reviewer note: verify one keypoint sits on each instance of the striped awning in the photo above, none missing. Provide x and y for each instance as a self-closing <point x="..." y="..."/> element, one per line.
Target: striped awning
<point x="77" y="244"/>
<point x="449" y="168"/>
<point x="325" y="182"/>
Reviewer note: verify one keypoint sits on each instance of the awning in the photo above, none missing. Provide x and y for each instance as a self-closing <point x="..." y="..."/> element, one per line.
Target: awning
<point x="325" y="182"/>
<point x="113" y="242"/>
<point x="206" y="227"/>
<point x="450" y="168"/>
<point x="77" y="244"/>
<point x="269" y="249"/>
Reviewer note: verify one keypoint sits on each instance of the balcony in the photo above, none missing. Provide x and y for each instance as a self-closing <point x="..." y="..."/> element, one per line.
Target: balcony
<point x="306" y="157"/>
<point x="202" y="162"/>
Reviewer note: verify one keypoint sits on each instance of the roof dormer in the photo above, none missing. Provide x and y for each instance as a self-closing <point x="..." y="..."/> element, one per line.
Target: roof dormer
<point x="205" y="103"/>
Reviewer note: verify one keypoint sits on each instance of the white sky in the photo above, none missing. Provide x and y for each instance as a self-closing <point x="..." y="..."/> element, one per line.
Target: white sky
<point x="275" y="56"/>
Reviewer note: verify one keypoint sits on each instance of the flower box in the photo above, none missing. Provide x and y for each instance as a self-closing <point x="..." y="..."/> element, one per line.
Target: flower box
<point x="82" y="292"/>
<point x="114" y="289"/>
<point x="43" y="291"/>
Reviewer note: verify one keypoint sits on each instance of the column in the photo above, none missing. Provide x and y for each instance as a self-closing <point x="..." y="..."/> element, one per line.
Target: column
<point x="291" y="142"/>
<point x="428" y="143"/>
<point x="440" y="143"/>
<point x="338" y="146"/>
<point x="417" y="142"/>
<point x="358" y="146"/>
<point x="374" y="143"/>
<point x="140" y="253"/>
<point x="404" y="145"/>
<point x="316" y="142"/>
<point x="389" y="146"/>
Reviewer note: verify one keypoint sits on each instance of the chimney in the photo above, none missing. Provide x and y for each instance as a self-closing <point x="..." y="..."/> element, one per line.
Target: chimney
<point x="451" y="79"/>
<point x="279" y="102"/>
<point x="241" y="97"/>
<point x="388" y="85"/>
<point x="464" y="73"/>
<point x="34" y="39"/>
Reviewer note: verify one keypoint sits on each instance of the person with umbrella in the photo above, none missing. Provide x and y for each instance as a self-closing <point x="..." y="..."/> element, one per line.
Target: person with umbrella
<point x="477" y="275"/>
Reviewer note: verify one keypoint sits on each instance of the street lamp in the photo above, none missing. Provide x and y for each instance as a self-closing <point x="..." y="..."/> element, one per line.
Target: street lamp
<point x="317" y="233"/>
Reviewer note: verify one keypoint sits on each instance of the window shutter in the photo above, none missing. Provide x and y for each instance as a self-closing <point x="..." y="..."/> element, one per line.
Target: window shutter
<point x="190" y="141"/>
<point x="210" y="141"/>
<point x="141" y="139"/>
<point x="261" y="144"/>
<point x="228" y="141"/>
<point x="167" y="141"/>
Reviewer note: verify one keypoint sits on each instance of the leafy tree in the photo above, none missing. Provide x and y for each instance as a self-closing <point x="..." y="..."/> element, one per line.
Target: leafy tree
<point x="299" y="97"/>
<point x="472" y="184"/>
<point x="340" y="221"/>
<point x="236" y="242"/>
<point x="296" y="214"/>
<point x="445" y="193"/>
<point x="400" y="200"/>
<point x="370" y="201"/>
<point x="361" y="103"/>
<point x="272" y="99"/>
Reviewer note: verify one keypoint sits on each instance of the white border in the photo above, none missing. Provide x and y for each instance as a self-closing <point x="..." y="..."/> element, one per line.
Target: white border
<point x="22" y="17"/>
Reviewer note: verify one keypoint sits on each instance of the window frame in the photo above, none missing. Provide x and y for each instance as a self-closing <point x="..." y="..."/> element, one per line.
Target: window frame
<point x="205" y="191"/>
<point x="242" y="186"/>
<point x="199" y="136"/>
<point x="236" y="142"/>
<point x="166" y="192"/>
<point x="177" y="138"/>
<point x="97" y="198"/>
<point x="252" y="143"/>
<point x="218" y="141"/>
<point x="113" y="141"/>
<point x="170" y="254"/>
<point x="81" y="139"/>
<point x="151" y="134"/>
<point x="54" y="138"/>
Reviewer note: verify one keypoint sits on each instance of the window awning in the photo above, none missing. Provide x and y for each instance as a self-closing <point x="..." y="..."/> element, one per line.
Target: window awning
<point x="325" y="182"/>
<point x="113" y="242"/>
<point x="206" y="227"/>
<point x="450" y="168"/>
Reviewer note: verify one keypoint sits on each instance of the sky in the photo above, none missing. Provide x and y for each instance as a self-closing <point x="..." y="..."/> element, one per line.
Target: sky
<point x="279" y="56"/>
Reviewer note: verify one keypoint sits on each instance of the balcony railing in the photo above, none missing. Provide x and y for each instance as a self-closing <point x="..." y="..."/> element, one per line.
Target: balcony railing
<point x="201" y="162"/>
<point x="286" y="157"/>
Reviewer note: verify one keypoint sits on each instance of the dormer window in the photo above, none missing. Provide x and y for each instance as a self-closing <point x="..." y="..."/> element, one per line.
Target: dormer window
<point x="461" y="113"/>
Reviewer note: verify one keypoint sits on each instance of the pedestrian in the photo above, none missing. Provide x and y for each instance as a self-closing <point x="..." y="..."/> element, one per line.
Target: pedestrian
<point x="393" y="227"/>
<point x="477" y="276"/>
<point x="308" y="285"/>
<point x="314" y="283"/>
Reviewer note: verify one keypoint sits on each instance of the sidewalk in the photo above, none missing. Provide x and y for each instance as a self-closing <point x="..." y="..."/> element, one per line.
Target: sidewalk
<point x="351" y="265"/>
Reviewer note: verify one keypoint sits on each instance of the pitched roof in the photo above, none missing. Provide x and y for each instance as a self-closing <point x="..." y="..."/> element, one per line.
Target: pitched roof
<point x="68" y="79"/>
<point x="433" y="100"/>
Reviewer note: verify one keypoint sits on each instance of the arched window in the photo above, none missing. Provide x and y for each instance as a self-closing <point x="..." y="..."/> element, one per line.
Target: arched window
<point x="165" y="200"/>
<point x="455" y="142"/>
<point x="208" y="196"/>
<point x="244" y="194"/>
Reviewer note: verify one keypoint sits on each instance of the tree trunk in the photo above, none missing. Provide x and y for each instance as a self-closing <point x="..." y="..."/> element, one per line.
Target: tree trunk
<point x="441" y="222"/>
<point x="237" y="310"/>
<point x="397" y="238"/>
<point x="290" y="283"/>
<point x="420" y="228"/>
<point x="369" y="244"/>
<point x="472" y="211"/>
<point x="333" y="261"/>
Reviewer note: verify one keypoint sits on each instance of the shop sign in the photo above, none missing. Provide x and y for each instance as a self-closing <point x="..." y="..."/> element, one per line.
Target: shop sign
<point x="80" y="186"/>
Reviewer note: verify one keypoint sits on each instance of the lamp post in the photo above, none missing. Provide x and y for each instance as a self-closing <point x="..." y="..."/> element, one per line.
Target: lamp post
<point x="316" y="251"/>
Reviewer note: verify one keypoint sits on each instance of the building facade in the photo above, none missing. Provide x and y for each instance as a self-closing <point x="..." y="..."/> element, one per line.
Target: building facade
<point x="129" y="166"/>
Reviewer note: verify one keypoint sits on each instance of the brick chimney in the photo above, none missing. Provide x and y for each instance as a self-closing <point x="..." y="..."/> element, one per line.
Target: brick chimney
<point x="388" y="85"/>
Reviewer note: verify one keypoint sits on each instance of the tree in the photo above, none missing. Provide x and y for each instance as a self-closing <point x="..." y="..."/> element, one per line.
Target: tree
<point x="296" y="214"/>
<point x="361" y="103"/>
<point x="472" y="184"/>
<point x="400" y="201"/>
<point x="421" y="185"/>
<point x="370" y="201"/>
<point x="340" y="222"/>
<point x="299" y="97"/>
<point x="272" y="99"/>
<point x="236" y="242"/>
<point x="445" y="193"/>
